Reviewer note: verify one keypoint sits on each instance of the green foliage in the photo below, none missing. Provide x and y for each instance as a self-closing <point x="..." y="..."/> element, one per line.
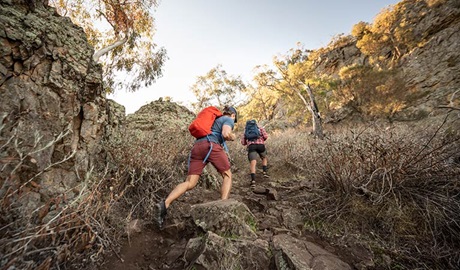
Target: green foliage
<point x="360" y="29"/>
<point x="122" y="34"/>
<point x="283" y="92"/>
<point x="217" y="88"/>
<point x="370" y="91"/>
<point x="373" y="88"/>
<point x="339" y="41"/>
<point x="435" y="3"/>
<point x="229" y="235"/>
<point x="264" y="99"/>
<point x="290" y="79"/>
<point x="252" y="224"/>
<point x="390" y="36"/>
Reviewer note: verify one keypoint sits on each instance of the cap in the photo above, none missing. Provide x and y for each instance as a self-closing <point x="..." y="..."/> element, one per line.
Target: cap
<point x="233" y="110"/>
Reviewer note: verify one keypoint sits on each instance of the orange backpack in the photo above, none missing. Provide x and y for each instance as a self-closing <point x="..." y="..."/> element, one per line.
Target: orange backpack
<point x="201" y="126"/>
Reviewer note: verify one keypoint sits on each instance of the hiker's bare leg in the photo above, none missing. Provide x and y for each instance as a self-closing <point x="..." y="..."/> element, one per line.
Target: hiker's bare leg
<point x="264" y="161"/>
<point x="226" y="184"/>
<point x="189" y="183"/>
<point x="252" y="166"/>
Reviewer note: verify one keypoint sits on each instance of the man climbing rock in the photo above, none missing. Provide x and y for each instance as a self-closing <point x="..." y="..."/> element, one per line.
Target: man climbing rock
<point x="210" y="148"/>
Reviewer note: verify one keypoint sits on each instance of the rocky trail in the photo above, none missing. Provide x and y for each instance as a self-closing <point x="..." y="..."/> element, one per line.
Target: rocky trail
<point x="279" y="241"/>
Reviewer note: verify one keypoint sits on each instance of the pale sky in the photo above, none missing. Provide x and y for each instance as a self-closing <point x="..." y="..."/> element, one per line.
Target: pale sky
<point x="239" y="35"/>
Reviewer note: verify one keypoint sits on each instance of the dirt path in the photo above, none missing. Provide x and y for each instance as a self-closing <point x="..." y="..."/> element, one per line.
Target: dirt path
<point x="162" y="249"/>
<point x="153" y="248"/>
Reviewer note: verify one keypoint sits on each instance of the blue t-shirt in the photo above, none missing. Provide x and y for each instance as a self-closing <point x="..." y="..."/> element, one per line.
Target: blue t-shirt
<point x="216" y="135"/>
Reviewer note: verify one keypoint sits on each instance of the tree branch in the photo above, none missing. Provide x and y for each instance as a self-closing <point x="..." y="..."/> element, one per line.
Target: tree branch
<point x="107" y="49"/>
<point x="451" y="103"/>
<point x="449" y="107"/>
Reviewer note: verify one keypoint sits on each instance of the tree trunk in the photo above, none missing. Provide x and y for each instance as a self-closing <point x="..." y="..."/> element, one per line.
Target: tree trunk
<point x="311" y="106"/>
<point x="107" y="49"/>
<point x="316" y="117"/>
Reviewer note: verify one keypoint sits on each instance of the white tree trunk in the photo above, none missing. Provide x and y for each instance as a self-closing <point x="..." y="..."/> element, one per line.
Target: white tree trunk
<point x="107" y="49"/>
<point x="316" y="117"/>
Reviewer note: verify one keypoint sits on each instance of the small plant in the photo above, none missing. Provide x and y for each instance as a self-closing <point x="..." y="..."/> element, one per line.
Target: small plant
<point x="252" y="224"/>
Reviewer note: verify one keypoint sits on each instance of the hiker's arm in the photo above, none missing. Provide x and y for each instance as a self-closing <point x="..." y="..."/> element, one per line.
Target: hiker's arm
<point x="243" y="140"/>
<point x="227" y="133"/>
<point x="264" y="133"/>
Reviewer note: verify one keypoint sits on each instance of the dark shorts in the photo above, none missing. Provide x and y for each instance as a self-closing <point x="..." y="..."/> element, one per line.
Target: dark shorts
<point x="255" y="150"/>
<point x="217" y="157"/>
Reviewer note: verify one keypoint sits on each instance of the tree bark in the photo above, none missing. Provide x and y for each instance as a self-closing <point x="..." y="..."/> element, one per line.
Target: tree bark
<point x="316" y="117"/>
<point x="313" y="108"/>
<point x="107" y="49"/>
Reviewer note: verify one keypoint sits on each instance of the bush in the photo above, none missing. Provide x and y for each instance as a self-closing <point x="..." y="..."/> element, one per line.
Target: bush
<point x="146" y="166"/>
<point x="70" y="231"/>
<point x="396" y="186"/>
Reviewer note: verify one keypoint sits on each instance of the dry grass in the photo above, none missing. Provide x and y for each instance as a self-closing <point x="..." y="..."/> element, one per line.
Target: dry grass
<point x="68" y="233"/>
<point x="396" y="186"/>
<point x="150" y="165"/>
<point x="61" y="228"/>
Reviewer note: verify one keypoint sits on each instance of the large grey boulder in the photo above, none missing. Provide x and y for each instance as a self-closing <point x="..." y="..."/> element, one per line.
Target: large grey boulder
<point x="228" y="218"/>
<point x="296" y="254"/>
<point x="212" y="252"/>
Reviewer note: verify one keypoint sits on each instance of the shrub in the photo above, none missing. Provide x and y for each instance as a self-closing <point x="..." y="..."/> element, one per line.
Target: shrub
<point x="147" y="166"/>
<point x="396" y="186"/>
<point x="68" y="232"/>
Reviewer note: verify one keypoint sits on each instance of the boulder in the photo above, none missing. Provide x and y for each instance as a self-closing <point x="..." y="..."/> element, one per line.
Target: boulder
<point x="228" y="218"/>
<point x="215" y="252"/>
<point x="293" y="253"/>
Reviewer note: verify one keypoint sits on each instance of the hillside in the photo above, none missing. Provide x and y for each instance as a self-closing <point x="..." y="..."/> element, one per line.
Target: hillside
<point x="400" y="67"/>
<point x="79" y="180"/>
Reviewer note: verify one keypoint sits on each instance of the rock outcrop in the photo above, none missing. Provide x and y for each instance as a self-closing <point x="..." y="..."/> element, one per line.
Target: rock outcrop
<point x="52" y="106"/>
<point x="231" y="242"/>
<point x="228" y="218"/>
<point x="162" y="118"/>
<point x="429" y="70"/>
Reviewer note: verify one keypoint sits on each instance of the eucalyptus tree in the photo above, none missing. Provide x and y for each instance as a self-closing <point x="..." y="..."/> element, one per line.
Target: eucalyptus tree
<point x="292" y="77"/>
<point x="391" y="35"/>
<point x="217" y="88"/>
<point x="122" y="33"/>
<point x="262" y="102"/>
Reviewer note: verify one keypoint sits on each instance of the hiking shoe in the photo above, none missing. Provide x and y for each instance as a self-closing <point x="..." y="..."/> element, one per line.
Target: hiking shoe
<point x="253" y="183"/>
<point x="265" y="174"/>
<point x="161" y="213"/>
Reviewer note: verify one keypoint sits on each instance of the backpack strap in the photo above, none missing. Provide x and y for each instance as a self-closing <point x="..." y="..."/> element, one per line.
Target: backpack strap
<point x="210" y="149"/>
<point x="207" y="155"/>
<point x="224" y="144"/>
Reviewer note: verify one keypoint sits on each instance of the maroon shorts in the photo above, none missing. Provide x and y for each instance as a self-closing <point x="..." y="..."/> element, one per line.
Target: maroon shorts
<point x="217" y="157"/>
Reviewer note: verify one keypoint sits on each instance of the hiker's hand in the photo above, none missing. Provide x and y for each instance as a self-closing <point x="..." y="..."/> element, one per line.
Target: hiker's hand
<point x="227" y="133"/>
<point x="232" y="137"/>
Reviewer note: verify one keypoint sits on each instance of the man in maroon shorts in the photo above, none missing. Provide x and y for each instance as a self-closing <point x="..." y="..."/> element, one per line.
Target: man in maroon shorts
<point x="205" y="150"/>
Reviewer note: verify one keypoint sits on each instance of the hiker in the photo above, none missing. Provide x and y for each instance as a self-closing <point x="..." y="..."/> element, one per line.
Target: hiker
<point x="254" y="138"/>
<point x="206" y="149"/>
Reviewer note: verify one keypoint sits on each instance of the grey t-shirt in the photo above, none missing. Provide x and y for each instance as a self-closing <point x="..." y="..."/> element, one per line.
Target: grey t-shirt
<point x="216" y="135"/>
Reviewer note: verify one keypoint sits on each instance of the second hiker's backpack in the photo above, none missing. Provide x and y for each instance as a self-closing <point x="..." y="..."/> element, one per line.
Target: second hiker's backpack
<point x="251" y="131"/>
<point x="201" y="126"/>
